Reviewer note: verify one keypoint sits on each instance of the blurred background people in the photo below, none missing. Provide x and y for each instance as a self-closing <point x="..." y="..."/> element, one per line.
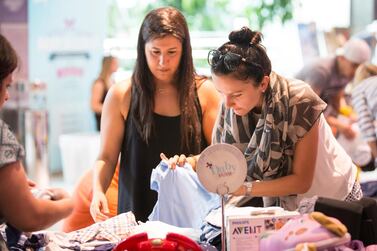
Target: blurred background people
<point x="364" y="101"/>
<point x="102" y="85"/>
<point x="329" y="76"/>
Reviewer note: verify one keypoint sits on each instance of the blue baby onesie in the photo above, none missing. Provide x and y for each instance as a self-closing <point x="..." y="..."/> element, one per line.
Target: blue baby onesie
<point x="182" y="200"/>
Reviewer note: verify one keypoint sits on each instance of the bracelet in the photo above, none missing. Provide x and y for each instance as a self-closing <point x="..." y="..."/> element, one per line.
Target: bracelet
<point x="249" y="186"/>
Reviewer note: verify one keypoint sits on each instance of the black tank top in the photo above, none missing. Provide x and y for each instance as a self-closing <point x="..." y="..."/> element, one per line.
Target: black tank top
<point x="138" y="159"/>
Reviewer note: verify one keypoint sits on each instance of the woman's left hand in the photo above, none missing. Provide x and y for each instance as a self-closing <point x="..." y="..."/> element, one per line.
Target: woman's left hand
<point x="241" y="191"/>
<point x="173" y="162"/>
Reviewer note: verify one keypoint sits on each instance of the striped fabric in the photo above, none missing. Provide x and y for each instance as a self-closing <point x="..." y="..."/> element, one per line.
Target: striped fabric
<point x="364" y="101"/>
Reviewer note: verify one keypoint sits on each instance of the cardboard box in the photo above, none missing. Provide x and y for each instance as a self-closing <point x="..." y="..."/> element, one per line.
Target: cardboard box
<point x="243" y="231"/>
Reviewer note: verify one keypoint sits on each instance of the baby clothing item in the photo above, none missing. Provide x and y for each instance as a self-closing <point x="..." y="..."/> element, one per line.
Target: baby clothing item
<point x="139" y="157"/>
<point x="114" y="229"/>
<point x="314" y="231"/>
<point x="102" y="236"/>
<point x="182" y="199"/>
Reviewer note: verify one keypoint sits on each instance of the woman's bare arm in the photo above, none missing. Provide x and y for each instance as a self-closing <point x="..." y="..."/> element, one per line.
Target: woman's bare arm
<point x="21" y="209"/>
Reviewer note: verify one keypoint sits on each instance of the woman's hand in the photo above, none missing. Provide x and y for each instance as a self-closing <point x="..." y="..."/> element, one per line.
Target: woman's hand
<point x="173" y="162"/>
<point x="180" y="160"/>
<point x="31" y="183"/>
<point x="241" y="191"/>
<point x="99" y="209"/>
<point x="58" y="193"/>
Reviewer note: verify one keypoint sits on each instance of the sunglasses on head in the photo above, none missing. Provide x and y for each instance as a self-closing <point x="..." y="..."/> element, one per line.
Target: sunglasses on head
<point x="231" y="60"/>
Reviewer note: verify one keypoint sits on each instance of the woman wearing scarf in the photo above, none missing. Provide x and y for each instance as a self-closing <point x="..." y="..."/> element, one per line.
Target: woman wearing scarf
<point x="278" y="124"/>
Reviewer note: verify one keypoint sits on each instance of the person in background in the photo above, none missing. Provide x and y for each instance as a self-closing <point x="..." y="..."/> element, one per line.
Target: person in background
<point x="278" y="124"/>
<point x="101" y="86"/>
<point x="18" y="206"/>
<point x="364" y="101"/>
<point x="329" y="76"/>
<point x="164" y="108"/>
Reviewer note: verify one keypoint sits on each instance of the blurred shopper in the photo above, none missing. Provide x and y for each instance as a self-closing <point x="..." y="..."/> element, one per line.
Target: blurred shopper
<point x="102" y="85"/>
<point x="165" y="107"/>
<point x="18" y="206"/>
<point x="329" y="76"/>
<point x="364" y="101"/>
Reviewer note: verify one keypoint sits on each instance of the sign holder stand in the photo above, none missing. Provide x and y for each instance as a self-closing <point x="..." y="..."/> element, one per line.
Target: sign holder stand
<point x="222" y="169"/>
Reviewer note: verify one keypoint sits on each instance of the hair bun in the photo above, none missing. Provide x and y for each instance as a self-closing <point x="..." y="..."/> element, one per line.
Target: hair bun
<point x="245" y="36"/>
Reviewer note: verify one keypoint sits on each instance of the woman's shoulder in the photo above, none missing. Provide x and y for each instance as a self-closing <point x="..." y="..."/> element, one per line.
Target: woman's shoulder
<point x="297" y="89"/>
<point x="121" y="90"/>
<point x="120" y="95"/>
<point x="99" y="82"/>
<point x="122" y="87"/>
<point x="207" y="93"/>
<point x="205" y="87"/>
<point x="203" y="82"/>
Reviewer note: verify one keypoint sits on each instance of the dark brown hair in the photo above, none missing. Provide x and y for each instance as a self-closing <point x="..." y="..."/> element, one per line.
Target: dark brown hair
<point x="8" y="59"/>
<point x="245" y="43"/>
<point x="159" y="23"/>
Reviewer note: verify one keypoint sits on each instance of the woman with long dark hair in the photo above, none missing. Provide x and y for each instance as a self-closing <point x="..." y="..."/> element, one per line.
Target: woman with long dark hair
<point x="165" y="108"/>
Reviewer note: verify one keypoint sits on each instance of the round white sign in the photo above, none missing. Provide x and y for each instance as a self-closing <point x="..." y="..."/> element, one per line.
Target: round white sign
<point x="221" y="168"/>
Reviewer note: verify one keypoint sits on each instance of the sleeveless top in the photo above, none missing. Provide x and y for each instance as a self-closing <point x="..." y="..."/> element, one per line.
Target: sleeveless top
<point x="98" y="115"/>
<point x="138" y="159"/>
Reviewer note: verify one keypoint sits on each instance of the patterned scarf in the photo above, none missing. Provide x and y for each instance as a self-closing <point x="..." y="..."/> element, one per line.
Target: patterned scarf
<point x="289" y="110"/>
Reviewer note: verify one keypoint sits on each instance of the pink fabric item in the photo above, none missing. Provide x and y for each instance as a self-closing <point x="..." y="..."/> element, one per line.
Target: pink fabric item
<point x="301" y="230"/>
<point x="371" y="248"/>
